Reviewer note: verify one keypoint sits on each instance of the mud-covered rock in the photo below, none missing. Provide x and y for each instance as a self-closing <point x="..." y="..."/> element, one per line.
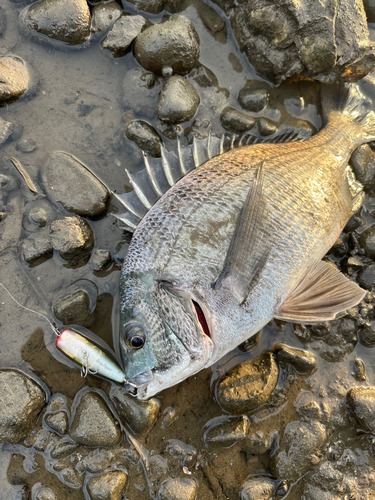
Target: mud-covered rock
<point x="124" y="31"/>
<point x="184" y="453"/>
<point x="145" y="137"/>
<point x="361" y="401"/>
<point x="63" y="20"/>
<point x="253" y="99"/>
<point x="98" y="460"/>
<point x="108" y="486"/>
<point x="366" y="277"/>
<point x="104" y="15"/>
<point x="58" y="422"/>
<point x="73" y="238"/>
<point x="359" y="370"/>
<point x="302" y="361"/>
<point x="140" y="416"/>
<point x="93" y="423"/>
<point x="363" y="164"/>
<point x="42" y="439"/>
<point x="14" y="78"/>
<point x="236" y="121"/>
<point x="366" y="334"/>
<point x="156" y="6"/>
<point x="257" y="443"/>
<point x="100" y="259"/>
<point x="67" y="181"/>
<point x="73" y="308"/>
<point x="43" y="493"/>
<point x="172" y="43"/>
<point x="38" y="214"/>
<point x="311" y="410"/>
<point x="21" y="401"/>
<point x="178" y="489"/>
<point x="26" y="145"/>
<point x="63" y="449"/>
<point x="248" y="385"/>
<point x="178" y="101"/>
<point x="35" y="246"/>
<point x="260" y="488"/>
<point x="6" y="129"/>
<point x="226" y="431"/>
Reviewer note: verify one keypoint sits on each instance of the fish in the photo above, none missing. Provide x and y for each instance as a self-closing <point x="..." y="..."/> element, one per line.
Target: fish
<point x="236" y="242"/>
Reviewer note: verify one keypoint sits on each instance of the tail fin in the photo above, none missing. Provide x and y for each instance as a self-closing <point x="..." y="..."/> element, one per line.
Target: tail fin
<point x="350" y="101"/>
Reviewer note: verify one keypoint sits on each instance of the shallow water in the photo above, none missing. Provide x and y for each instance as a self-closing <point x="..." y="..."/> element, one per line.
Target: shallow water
<point x="74" y="105"/>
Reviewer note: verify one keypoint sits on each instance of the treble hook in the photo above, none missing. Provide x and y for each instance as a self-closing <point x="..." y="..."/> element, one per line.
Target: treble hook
<point x="86" y="370"/>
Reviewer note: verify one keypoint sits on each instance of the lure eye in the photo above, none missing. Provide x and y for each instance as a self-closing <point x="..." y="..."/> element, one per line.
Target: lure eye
<point x="134" y="336"/>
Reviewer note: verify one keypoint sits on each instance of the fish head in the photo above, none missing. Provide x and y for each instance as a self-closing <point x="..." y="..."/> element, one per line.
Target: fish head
<point x="165" y="332"/>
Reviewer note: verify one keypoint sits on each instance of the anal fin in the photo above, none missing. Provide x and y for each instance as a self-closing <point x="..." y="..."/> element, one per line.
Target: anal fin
<point x="321" y="293"/>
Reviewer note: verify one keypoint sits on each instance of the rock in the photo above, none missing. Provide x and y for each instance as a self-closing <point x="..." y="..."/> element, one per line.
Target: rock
<point x="178" y="101"/>
<point x="178" y="489"/>
<point x="253" y="99"/>
<point x="72" y="478"/>
<point x="35" y="246"/>
<point x="42" y="439"/>
<point x="63" y="20"/>
<point x="212" y="21"/>
<point x="366" y="277"/>
<point x="44" y="493"/>
<point x="100" y="259"/>
<point x="63" y="449"/>
<point x="366" y="335"/>
<point x="302" y="361"/>
<point x="367" y="241"/>
<point x="71" y="237"/>
<point x="257" y="443"/>
<point x="140" y="92"/>
<point x="260" y="488"/>
<point x="267" y="127"/>
<point x="14" y="78"/>
<point x="363" y="164"/>
<point x="145" y="137"/>
<point x="67" y="181"/>
<point x="226" y="431"/>
<point x="248" y="385"/>
<point x="21" y="401"/>
<point x="6" y="129"/>
<point x="99" y="460"/>
<point x="359" y="370"/>
<point x="184" y="453"/>
<point x="73" y="308"/>
<point x="311" y="410"/>
<point x="26" y="146"/>
<point x="156" y="6"/>
<point x="140" y="416"/>
<point x="204" y="77"/>
<point x="236" y="121"/>
<point x="124" y="31"/>
<point x="108" y="486"/>
<point x="93" y="423"/>
<point x="361" y="401"/>
<point x="58" y="422"/>
<point x="172" y="43"/>
<point x="38" y="214"/>
<point x="104" y="16"/>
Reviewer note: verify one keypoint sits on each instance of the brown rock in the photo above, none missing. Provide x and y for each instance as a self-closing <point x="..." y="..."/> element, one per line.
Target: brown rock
<point x="14" y="78"/>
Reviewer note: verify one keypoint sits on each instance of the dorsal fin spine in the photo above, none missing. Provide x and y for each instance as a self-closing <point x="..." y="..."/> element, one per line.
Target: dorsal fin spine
<point x="166" y="167"/>
<point x="182" y="164"/>
<point x="123" y="201"/>
<point x="138" y="191"/>
<point x="151" y="176"/>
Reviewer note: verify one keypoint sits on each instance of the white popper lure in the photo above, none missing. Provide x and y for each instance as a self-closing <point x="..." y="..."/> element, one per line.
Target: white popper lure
<point x="92" y="359"/>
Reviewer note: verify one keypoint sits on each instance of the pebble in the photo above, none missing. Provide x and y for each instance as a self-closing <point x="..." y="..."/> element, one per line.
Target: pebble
<point x="72" y="478"/>
<point x="302" y="361"/>
<point x="74" y="308"/>
<point x="178" y="489"/>
<point x="253" y="99"/>
<point x="363" y="164"/>
<point x="37" y="215"/>
<point x="123" y="33"/>
<point x="67" y="181"/>
<point x="98" y="460"/>
<point x="178" y="101"/>
<point x="93" y="424"/>
<point x="257" y="443"/>
<point x="204" y="77"/>
<point x="63" y="20"/>
<point x="361" y="401"/>
<point x="72" y="237"/>
<point x="21" y="402"/>
<point x="260" y="488"/>
<point x="104" y="16"/>
<point x="359" y="370"/>
<point x="366" y="335"/>
<point x="26" y="145"/>
<point x="42" y="439"/>
<point x="140" y="92"/>
<point x="184" y="453"/>
<point x="366" y="277"/>
<point x="58" y="422"/>
<point x="236" y="121"/>
<point x="44" y="493"/>
<point x="172" y="43"/>
<point x="63" y="449"/>
<point x="145" y="137"/>
<point x="108" y="486"/>
<point x="14" y="78"/>
<point x="35" y="246"/>
<point x="311" y="410"/>
<point x="367" y="241"/>
<point x="226" y="431"/>
<point x="249" y="385"/>
<point x="6" y="129"/>
<point x="140" y="416"/>
<point x="267" y="127"/>
<point x="100" y="259"/>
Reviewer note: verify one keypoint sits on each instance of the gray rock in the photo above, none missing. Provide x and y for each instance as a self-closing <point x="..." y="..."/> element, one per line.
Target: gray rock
<point x="93" y="423"/>
<point x="26" y="145"/>
<point x="359" y="370"/>
<point x="236" y="121"/>
<point x="63" y="20"/>
<point x="63" y="449"/>
<point x="172" y="43"/>
<point x="367" y="241"/>
<point x="38" y="214"/>
<point x="260" y="488"/>
<point x="178" y="489"/>
<point x="6" y="129"/>
<point x="71" y="237"/>
<point x="366" y="277"/>
<point x="303" y="361"/>
<point x="140" y="92"/>
<point x="108" y="486"/>
<point x="72" y="478"/>
<point x="257" y="443"/>
<point x="35" y="246"/>
<point x="248" y="385"/>
<point x="67" y="181"/>
<point x="156" y="6"/>
<point x="99" y="460"/>
<point x="123" y="33"/>
<point x="253" y="99"/>
<point x="42" y="439"/>
<point x="267" y="127"/>
<point x="104" y="15"/>
<point x="58" y="422"/>
<point x="361" y="401"/>
<point x="73" y="308"/>
<point x="226" y="431"/>
<point x="14" y="78"/>
<point x="144" y="136"/>
<point x="178" y="101"/>
<point x="366" y="335"/>
<point x="213" y="22"/>
<point x="363" y="164"/>
<point x="100" y="259"/>
<point x="140" y="416"/>
<point x="204" y="77"/>
<point x="21" y="401"/>
<point x="44" y="493"/>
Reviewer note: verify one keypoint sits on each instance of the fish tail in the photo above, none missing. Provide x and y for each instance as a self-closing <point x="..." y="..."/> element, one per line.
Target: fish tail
<point x="351" y="102"/>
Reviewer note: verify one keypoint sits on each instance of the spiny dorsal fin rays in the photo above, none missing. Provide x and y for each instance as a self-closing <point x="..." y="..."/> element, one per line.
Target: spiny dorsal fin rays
<point x="167" y="167"/>
<point x="138" y="191"/>
<point x="154" y="182"/>
<point x="131" y="202"/>
<point x="182" y="163"/>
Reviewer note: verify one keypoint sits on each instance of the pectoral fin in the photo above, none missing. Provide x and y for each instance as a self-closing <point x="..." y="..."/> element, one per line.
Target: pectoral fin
<point x="319" y="295"/>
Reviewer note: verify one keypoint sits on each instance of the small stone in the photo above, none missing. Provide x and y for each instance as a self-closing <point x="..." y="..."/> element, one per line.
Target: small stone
<point x="184" y="453"/>
<point x="57" y="402"/>
<point x="248" y="385"/>
<point x="100" y="259"/>
<point x="73" y="308"/>
<point x="108" y="486"/>
<point x="253" y="99"/>
<point x="37" y="215"/>
<point x="367" y="241"/>
<point x="104" y="16"/>
<point x="58" y="422"/>
<point x="6" y="129"/>
<point x="63" y="449"/>
<point x="167" y="71"/>
<point x="359" y="371"/>
<point x="366" y="277"/>
<point x="258" y="489"/>
<point x="35" y="246"/>
<point x="361" y="401"/>
<point x="172" y="43"/>
<point x="72" y="478"/>
<point x="178" y="489"/>
<point x="145" y="137"/>
<point x="257" y="443"/>
<point x="93" y="423"/>
<point x="98" y="460"/>
<point x="14" y="78"/>
<point x="363" y="164"/>
<point x="42" y="439"/>
<point x="44" y="493"/>
<point x="204" y="77"/>
<point x="140" y="416"/>
<point x="178" y="101"/>
<point x="26" y="145"/>
<point x="366" y="335"/>
<point x="124" y="31"/>
<point x="67" y="181"/>
<point x="302" y="361"/>
<point x="226" y="431"/>
<point x="71" y="237"/>
<point x="236" y="121"/>
<point x="21" y="401"/>
<point x="267" y="127"/>
<point x="311" y="410"/>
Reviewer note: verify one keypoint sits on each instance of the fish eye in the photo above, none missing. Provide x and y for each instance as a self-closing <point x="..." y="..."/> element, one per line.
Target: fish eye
<point x="134" y="336"/>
